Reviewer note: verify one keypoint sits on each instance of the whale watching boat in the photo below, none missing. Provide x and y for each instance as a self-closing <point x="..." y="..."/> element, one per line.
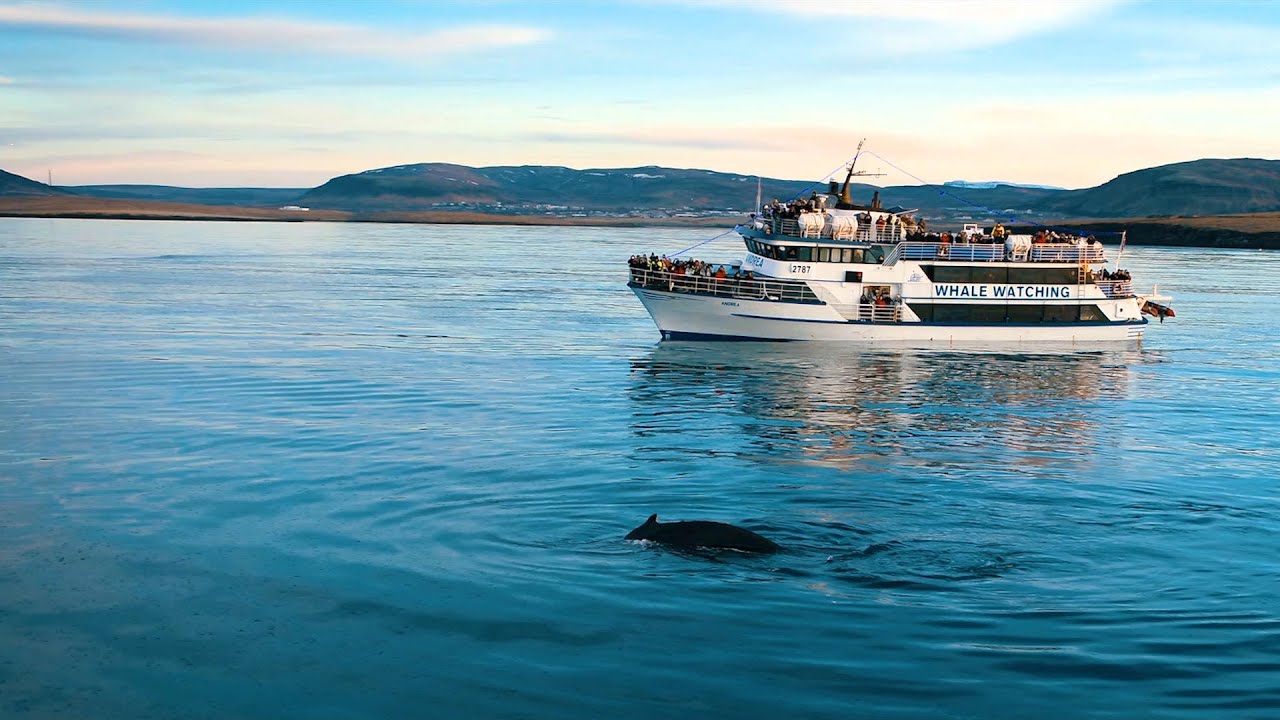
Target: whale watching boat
<point x="867" y="274"/>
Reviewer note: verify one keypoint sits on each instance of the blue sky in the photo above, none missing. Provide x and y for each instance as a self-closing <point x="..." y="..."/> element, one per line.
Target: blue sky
<point x="236" y="93"/>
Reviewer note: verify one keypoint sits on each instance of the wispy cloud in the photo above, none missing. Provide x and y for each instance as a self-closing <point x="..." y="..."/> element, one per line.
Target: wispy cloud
<point x="271" y="33"/>
<point x="958" y="23"/>
<point x="674" y="138"/>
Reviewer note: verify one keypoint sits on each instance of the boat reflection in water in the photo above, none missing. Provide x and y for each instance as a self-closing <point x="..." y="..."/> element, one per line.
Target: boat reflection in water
<point x="842" y="406"/>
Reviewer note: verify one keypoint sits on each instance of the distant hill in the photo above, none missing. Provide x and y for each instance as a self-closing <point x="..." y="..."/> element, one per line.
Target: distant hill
<point x="559" y="190"/>
<point x="1199" y="187"/>
<point x="245" y="197"/>
<point x="16" y="185"/>
<point x="548" y="188"/>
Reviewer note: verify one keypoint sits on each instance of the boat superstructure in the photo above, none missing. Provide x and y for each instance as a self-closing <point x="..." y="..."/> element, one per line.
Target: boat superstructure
<point x="874" y="275"/>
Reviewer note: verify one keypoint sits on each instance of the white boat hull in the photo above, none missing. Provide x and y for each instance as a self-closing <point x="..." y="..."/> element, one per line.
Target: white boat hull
<point x="701" y="317"/>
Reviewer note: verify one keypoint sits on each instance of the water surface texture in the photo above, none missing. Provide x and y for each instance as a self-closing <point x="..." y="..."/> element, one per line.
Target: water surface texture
<point x="377" y="471"/>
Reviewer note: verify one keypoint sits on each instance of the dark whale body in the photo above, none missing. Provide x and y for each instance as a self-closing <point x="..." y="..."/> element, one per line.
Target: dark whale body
<point x="702" y="533"/>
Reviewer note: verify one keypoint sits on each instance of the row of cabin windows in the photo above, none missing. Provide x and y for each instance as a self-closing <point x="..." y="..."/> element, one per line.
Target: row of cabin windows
<point x="873" y="254"/>
<point x="1006" y="313"/>
<point x="1001" y="275"/>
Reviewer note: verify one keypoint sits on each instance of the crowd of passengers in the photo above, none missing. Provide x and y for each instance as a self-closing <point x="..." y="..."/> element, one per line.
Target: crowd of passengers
<point x="915" y="229"/>
<point x="793" y="208"/>
<point x="878" y="297"/>
<point x="998" y="235"/>
<point x="692" y="266"/>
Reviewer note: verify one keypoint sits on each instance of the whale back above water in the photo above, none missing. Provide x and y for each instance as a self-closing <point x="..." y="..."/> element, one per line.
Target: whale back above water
<point x="702" y="533"/>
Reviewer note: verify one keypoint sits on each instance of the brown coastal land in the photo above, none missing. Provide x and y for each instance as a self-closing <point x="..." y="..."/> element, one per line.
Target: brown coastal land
<point x="1253" y="230"/>
<point x="63" y="206"/>
<point x="116" y="209"/>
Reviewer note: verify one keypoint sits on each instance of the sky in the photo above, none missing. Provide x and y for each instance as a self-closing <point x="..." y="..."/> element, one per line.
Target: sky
<point x="236" y="93"/>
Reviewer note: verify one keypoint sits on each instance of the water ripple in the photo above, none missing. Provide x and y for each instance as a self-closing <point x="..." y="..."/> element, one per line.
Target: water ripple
<point x="316" y="470"/>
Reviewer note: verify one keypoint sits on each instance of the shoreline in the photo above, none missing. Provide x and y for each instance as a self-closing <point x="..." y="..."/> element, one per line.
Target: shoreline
<point x="113" y="209"/>
<point x="1259" y="230"/>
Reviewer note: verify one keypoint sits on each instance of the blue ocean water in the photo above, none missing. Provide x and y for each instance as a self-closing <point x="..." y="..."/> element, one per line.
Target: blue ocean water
<point x="371" y="471"/>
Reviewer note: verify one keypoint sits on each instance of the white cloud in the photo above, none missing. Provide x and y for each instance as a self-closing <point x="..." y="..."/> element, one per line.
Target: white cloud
<point x="922" y="24"/>
<point x="272" y="33"/>
<point x="5" y="80"/>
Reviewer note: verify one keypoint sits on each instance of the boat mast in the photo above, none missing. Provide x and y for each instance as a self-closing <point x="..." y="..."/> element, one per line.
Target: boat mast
<point x="846" y="200"/>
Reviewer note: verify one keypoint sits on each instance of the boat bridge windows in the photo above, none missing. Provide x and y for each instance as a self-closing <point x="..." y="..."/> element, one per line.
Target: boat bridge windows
<point x="806" y="253"/>
<point x="1010" y="313"/>
<point x="1001" y="275"/>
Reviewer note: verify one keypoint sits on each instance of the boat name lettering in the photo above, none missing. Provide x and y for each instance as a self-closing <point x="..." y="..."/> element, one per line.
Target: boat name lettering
<point x="729" y="303"/>
<point x="753" y="259"/>
<point x="1001" y="291"/>
<point x="798" y="269"/>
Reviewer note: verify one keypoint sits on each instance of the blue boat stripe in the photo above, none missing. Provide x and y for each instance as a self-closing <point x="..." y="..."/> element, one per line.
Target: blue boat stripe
<point x="801" y="320"/>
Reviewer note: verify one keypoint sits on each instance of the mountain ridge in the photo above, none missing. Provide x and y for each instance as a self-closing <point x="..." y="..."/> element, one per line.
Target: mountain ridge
<point x="1209" y="186"/>
<point x="16" y="185"/>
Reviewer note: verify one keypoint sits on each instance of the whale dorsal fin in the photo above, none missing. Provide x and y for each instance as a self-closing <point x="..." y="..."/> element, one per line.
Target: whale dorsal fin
<point x="653" y="520"/>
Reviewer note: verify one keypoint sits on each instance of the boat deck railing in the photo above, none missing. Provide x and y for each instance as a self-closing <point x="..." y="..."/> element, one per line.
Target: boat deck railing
<point x="868" y="233"/>
<point x="1116" y="288"/>
<point x="866" y="312"/>
<point x="1060" y="252"/>
<point x="995" y="252"/>
<point x="880" y="313"/>
<point x="729" y="287"/>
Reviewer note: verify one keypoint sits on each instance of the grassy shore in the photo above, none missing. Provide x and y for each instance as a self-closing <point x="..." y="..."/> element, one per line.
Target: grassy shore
<point x="1259" y="230"/>
<point x="112" y="209"/>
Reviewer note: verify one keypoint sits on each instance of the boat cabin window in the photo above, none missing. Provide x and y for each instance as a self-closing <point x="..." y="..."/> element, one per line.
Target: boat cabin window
<point x="989" y="275"/>
<point x="873" y="254"/>
<point x="1019" y="313"/>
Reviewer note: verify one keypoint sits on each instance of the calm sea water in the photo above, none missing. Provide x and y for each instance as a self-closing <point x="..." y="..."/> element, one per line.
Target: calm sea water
<point x="378" y="471"/>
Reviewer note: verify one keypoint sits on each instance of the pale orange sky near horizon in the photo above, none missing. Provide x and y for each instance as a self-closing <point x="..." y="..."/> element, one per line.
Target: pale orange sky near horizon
<point x="180" y="92"/>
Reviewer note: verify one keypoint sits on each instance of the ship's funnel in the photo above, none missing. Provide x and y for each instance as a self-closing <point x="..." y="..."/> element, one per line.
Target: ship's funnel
<point x="833" y="187"/>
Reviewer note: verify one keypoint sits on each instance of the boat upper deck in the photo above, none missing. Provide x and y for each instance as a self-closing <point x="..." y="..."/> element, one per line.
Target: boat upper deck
<point x="790" y="238"/>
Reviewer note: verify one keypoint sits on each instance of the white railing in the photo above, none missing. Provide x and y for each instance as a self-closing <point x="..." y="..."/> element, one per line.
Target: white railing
<point x="730" y="287"/>
<point x="869" y="233"/>
<point x="878" y="313"/>
<point x="1067" y="253"/>
<point x="1116" y="288"/>
<point x="981" y="252"/>
<point x="993" y="252"/>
